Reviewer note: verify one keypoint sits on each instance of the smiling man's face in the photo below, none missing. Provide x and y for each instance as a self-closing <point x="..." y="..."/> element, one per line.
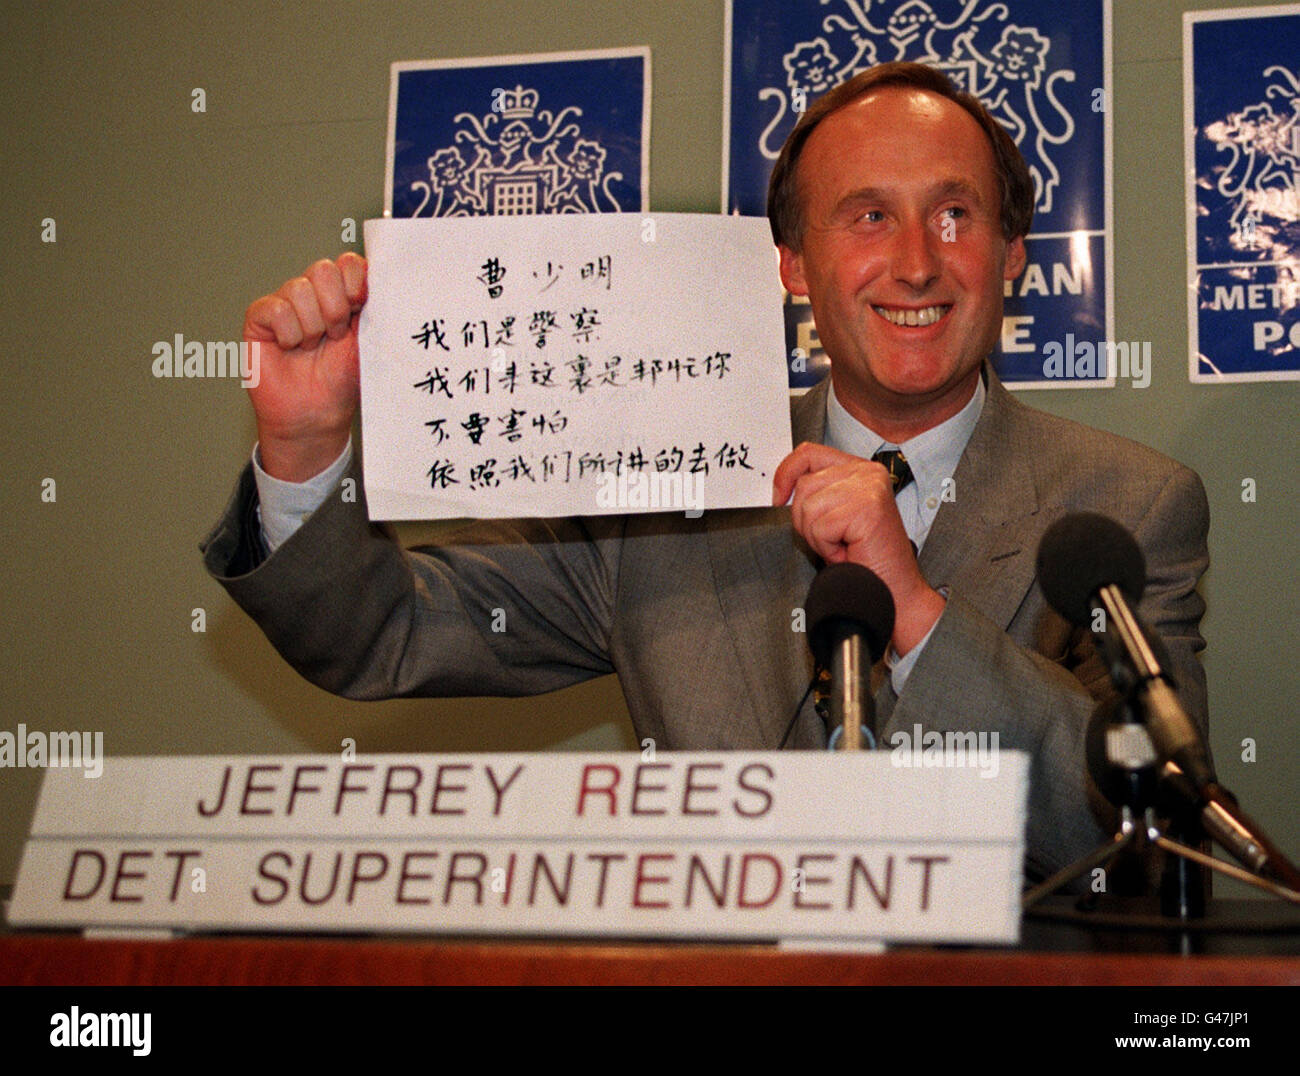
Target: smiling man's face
<point x="902" y="255"/>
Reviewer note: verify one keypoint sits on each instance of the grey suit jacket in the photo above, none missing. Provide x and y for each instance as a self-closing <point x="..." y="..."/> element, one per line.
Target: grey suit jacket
<point x="698" y="617"/>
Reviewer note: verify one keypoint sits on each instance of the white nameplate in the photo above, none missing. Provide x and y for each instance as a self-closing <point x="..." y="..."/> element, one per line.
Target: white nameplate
<point x="576" y="364"/>
<point x="756" y="845"/>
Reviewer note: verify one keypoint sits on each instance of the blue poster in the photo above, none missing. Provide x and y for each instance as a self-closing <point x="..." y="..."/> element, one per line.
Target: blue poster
<point x="554" y="133"/>
<point x="1241" y="72"/>
<point x="1042" y="69"/>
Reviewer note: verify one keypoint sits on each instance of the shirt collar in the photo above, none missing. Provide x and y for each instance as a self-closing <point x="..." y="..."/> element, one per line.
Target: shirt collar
<point x="932" y="455"/>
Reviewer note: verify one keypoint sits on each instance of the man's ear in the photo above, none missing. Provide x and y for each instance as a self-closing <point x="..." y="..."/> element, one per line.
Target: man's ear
<point x="1016" y="258"/>
<point x="792" y="277"/>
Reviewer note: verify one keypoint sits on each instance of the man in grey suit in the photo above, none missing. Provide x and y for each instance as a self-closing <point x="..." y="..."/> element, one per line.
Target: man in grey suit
<point x="899" y="207"/>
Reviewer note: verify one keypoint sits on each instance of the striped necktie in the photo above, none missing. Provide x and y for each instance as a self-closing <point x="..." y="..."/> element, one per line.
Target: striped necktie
<point x="893" y="460"/>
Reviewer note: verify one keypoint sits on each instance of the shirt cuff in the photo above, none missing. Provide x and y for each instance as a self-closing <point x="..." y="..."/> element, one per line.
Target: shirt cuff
<point x="901" y="668"/>
<point x="284" y="506"/>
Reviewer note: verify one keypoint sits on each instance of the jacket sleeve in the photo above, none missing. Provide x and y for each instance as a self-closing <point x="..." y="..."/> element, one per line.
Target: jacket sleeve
<point x="502" y="608"/>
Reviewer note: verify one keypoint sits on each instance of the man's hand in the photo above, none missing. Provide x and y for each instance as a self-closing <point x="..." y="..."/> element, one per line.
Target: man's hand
<point x="310" y="381"/>
<point x="844" y="509"/>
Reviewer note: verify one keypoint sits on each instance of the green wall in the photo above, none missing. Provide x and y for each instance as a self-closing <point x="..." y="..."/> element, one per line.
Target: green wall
<point x="169" y="221"/>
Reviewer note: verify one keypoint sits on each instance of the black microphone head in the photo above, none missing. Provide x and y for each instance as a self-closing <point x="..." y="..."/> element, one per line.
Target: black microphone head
<point x="1080" y="554"/>
<point x="846" y="598"/>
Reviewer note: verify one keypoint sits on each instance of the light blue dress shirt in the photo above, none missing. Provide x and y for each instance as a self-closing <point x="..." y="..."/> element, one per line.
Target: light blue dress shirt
<point x="933" y="457"/>
<point x="283" y="507"/>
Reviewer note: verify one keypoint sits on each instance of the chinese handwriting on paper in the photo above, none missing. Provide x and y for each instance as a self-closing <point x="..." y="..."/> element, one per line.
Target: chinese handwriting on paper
<point x="532" y="347"/>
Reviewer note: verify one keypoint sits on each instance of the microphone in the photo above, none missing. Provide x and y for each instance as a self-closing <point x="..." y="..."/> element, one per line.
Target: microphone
<point x="850" y="622"/>
<point x="1093" y="573"/>
<point x="1123" y="763"/>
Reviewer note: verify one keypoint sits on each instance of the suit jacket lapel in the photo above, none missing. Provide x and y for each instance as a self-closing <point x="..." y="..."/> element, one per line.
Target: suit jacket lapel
<point x="984" y="541"/>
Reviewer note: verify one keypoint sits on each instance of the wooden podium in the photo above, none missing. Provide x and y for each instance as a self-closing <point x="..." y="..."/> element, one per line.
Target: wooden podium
<point x="1262" y="949"/>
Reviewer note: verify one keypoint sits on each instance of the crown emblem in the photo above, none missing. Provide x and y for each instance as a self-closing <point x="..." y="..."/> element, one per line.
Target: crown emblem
<point x="519" y="103"/>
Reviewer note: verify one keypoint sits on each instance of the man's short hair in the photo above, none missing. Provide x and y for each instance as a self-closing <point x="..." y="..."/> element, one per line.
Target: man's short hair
<point x="784" y="210"/>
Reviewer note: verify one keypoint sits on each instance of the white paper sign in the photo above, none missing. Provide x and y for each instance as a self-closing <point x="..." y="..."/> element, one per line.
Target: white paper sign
<point x="773" y="845"/>
<point x="579" y="364"/>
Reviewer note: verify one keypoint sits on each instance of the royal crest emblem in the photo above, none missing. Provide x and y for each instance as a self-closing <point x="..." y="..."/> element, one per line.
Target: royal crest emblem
<point x="1008" y="66"/>
<point x="517" y="158"/>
